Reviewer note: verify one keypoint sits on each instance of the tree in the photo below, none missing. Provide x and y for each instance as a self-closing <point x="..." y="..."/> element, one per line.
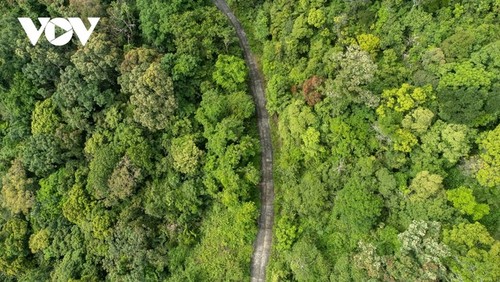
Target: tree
<point x="463" y="200"/>
<point x="98" y="60"/>
<point x="185" y="154"/>
<point x="39" y="241"/>
<point x="44" y="119"/>
<point x="296" y="119"/>
<point x="230" y="72"/>
<point x="131" y="139"/>
<point x="45" y="65"/>
<point x="277" y="93"/>
<point x="49" y="197"/>
<point x="425" y="200"/>
<point x="354" y="71"/>
<point x="356" y="210"/>
<point x="404" y="99"/>
<point x="122" y="181"/>
<point x="135" y="62"/>
<point x="421" y="254"/>
<point x="14" y="249"/>
<point x="461" y="44"/>
<point x="425" y="185"/>
<point x="467" y="94"/>
<point x="77" y="205"/>
<point x="451" y="141"/>
<point x="154" y="105"/>
<point x="129" y="255"/>
<point x="152" y="91"/>
<point x="404" y="141"/>
<point x="419" y="120"/>
<point x="306" y="261"/>
<point x="316" y="18"/>
<point x="77" y="99"/>
<point x="43" y="154"/>
<point x="420" y="257"/>
<point x="476" y="253"/>
<point x="310" y="90"/>
<point x="101" y="168"/>
<point x="489" y="144"/>
<point x="17" y="189"/>
<point x="122" y="22"/>
<point x="10" y="63"/>
<point x="16" y="105"/>
<point x="178" y="202"/>
<point x="86" y="8"/>
<point x="228" y="232"/>
<point x="368" y="43"/>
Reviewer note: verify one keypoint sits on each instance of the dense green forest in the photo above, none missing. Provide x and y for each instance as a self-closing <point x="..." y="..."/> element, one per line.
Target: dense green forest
<point x="136" y="157"/>
<point x="132" y="158"/>
<point x="387" y="137"/>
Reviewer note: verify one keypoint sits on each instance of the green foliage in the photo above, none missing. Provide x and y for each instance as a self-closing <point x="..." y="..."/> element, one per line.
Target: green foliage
<point x="39" y="241"/>
<point x="368" y="43"/>
<point x="152" y="92"/>
<point x="357" y="209"/>
<point x="467" y="94"/>
<point x="49" y="196"/>
<point x="403" y="99"/>
<point x="354" y="71"/>
<point x="489" y="174"/>
<point x="476" y="252"/>
<point x="419" y="258"/>
<point x="44" y="119"/>
<point x="77" y="99"/>
<point x="424" y="186"/>
<point x="463" y="200"/>
<point x="43" y="154"/>
<point x="101" y="168"/>
<point x="98" y="60"/>
<point x="229" y="72"/>
<point x="286" y="233"/>
<point x="228" y="232"/>
<point x="408" y="86"/>
<point x="14" y="250"/>
<point x="185" y="154"/>
<point x="136" y="158"/>
<point x="17" y="189"/>
<point x="123" y="181"/>
<point x="418" y="120"/>
<point x="306" y="261"/>
<point x="16" y="105"/>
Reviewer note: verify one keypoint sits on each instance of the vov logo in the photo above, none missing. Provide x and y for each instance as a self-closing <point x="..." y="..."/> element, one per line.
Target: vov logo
<point x="48" y="25"/>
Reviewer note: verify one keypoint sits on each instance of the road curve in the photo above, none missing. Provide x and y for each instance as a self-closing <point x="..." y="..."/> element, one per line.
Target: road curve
<point x="262" y="245"/>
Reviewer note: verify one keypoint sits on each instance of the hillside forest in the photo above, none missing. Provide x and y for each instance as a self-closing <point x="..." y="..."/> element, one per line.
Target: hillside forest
<point x="137" y="158"/>
<point x="387" y="137"/>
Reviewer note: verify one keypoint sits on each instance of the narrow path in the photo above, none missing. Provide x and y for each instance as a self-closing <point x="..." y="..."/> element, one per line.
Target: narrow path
<point x="262" y="245"/>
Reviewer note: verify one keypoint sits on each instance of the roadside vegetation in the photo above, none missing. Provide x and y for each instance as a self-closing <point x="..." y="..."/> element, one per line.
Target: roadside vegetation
<point x="387" y="150"/>
<point x="134" y="158"/>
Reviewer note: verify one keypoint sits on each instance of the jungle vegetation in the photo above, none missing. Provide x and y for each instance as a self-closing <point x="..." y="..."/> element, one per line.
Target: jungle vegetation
<point x="136" y="157"/>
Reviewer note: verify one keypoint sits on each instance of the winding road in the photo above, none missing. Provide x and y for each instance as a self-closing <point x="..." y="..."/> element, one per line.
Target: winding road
<point x="262" y="245"/>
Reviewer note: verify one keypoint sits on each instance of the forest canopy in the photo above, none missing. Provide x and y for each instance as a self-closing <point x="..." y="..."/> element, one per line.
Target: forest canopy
<point x="137" y="157"/>
<point x="387" y="135"/>
<point x="129" y="158"/>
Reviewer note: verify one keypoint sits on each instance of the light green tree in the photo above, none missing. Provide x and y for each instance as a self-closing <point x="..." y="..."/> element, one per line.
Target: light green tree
<point x="476" y="253"/>
<point x="185" y="154"/>
<point x="489" y="144"/>
<point x="17" y="193"/>
<point x="230" y="72"/>
<point x="44" y="118"/>
<point x="463" y="200"/>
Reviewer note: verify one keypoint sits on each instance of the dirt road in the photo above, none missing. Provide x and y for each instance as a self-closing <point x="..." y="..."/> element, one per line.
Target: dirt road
<point x="262" y="245"/>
